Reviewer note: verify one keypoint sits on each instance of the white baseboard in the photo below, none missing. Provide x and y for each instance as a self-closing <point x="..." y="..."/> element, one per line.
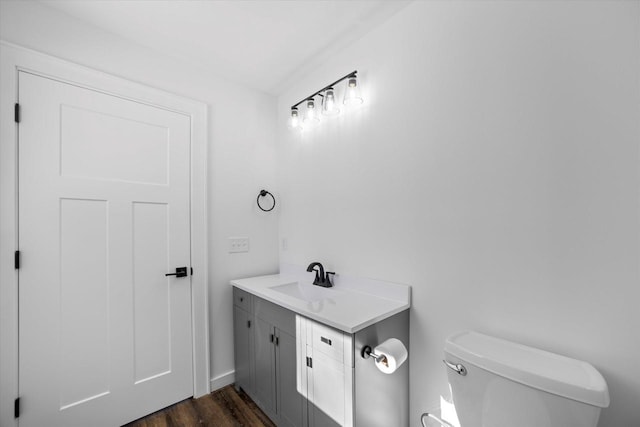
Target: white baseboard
<point x="223" y="380"/>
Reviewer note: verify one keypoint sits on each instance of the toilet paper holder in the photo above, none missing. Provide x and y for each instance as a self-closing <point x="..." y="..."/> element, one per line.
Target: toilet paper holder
<point x="388" y="356"/>
<point x="367" y="352"/>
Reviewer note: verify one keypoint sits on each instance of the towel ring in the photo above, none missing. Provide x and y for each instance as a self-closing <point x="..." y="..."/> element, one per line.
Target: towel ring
<point x="264" y="193"/>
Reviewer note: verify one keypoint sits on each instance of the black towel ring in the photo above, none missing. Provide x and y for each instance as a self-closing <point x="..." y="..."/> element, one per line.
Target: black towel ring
<point x="263" y="193"/>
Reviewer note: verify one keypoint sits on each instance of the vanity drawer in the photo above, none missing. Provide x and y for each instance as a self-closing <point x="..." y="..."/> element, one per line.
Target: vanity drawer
<point x="328" y="341"/>
<point x="242" y="299"/>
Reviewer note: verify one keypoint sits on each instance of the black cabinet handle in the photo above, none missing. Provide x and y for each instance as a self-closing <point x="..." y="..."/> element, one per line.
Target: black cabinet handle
<point x="271" y="337"/>
<point x="248" y="323"/>
<point x="277" y="341"/>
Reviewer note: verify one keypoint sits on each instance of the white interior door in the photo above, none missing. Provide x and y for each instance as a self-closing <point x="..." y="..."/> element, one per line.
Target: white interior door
<point x="104" y="335"/>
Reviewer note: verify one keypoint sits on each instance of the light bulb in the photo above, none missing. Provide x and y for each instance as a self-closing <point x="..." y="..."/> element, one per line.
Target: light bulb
<point x="329" y="106"/>
<point x="294" y="122"/>
<point x="352" y="94"/>
<point x="311" y="116"/>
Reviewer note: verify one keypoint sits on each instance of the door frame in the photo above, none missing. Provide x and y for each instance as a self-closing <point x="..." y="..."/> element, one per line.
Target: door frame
<point x="13" y="59"/>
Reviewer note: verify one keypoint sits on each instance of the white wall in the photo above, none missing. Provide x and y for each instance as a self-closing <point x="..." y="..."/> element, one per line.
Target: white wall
<point x="494" y="167"/>
<point x="241" y="145"/>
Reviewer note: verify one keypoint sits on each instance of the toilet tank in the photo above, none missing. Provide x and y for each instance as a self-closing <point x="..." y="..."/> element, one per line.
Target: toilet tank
<point x="508" y="385"/>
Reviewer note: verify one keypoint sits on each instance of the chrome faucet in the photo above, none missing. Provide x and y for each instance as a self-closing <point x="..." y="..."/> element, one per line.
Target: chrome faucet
<point x="322" y="278"/>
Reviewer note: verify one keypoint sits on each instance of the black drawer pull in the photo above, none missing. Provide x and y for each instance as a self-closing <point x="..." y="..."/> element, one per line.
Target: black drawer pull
<point x="325" y="340"/>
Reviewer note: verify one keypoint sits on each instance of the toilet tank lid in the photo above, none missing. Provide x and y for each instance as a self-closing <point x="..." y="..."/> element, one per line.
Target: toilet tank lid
<point x="550" y="372"/>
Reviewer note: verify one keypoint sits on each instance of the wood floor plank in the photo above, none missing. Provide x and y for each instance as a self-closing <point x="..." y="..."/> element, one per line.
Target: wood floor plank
<point x="156" y="419"/>
<point x="266" y="421"/>
<point x="222" y="408"/>
<point x="211" y="414"/>
<point x="250" y="414"/>
<point x="183" y="414"/>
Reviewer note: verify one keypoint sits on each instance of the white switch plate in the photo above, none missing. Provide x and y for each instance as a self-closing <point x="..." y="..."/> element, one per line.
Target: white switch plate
<point x="238" y="244"/>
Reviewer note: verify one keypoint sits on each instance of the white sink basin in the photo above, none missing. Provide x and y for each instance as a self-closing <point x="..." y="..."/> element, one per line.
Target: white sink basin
<point x="307" y="293"/>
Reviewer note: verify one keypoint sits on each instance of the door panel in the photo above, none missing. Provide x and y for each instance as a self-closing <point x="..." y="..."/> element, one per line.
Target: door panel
<point x="152" y="334"/>
<point x="289" y="400"/>
<point x="105" y="337"/>
<point x="265" y="366"/>
<point x="85" y="345"/>
<point x="326" y="392"/>
<point x="93" y="142"/>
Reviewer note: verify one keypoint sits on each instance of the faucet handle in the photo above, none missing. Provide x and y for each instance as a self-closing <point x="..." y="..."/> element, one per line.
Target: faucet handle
<point x="328" y="278"/>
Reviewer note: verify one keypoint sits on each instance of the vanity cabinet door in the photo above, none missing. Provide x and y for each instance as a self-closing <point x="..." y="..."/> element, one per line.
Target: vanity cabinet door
<point x="290" y="402"/>
<point x="325" y="373"/>
<point x="326" y="392"/>
<point x="243" y="345"/>
<point x="265" y="369"/>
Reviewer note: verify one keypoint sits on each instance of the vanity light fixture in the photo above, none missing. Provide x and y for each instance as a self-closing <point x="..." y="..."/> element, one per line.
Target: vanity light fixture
<point x="328" y="104"/>
<point x="352" y="95"/>
<point x="295" y="122"/>
<point x="311" y="115"/>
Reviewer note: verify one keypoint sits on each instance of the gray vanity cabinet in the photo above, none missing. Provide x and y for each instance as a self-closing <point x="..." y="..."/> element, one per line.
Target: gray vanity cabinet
<point x="266" y="364"/>
<point x="303" y="373"/>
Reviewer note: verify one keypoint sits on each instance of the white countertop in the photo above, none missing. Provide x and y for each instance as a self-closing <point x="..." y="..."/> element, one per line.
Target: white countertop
<point x="341" y="307"/>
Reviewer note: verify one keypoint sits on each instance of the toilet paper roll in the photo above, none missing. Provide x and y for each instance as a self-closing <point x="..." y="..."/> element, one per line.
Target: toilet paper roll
<point x="392" y="355"/>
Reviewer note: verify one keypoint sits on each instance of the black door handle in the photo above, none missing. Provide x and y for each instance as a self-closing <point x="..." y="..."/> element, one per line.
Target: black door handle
<point x="180" y="272"/>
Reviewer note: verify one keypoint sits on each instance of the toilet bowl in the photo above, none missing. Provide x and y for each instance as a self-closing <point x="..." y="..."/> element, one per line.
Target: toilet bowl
<point x="497" y="383"/>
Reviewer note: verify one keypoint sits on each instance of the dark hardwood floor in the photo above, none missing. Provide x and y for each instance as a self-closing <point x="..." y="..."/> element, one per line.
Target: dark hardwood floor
<point x="222" y="408"/>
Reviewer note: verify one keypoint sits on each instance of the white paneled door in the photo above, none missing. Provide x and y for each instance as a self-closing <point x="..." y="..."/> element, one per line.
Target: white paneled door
<point x="104" y="335"/>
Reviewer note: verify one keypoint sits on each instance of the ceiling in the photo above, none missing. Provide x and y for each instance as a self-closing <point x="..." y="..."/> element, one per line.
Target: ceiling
<point x="260" y="44"/>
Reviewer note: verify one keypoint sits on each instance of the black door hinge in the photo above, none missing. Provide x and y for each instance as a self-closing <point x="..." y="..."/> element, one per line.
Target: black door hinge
<point x="16" y="112"/>
<point x="16" y="260"/>
<point x="16" y="408"/>
<point x="309" y="362"/>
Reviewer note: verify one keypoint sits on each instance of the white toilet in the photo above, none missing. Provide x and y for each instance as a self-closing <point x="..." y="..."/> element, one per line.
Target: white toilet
<point x="497" y="383"/>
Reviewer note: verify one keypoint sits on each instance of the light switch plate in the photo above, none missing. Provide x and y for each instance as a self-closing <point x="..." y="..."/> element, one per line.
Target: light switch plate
<point x="238" y="244"/>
